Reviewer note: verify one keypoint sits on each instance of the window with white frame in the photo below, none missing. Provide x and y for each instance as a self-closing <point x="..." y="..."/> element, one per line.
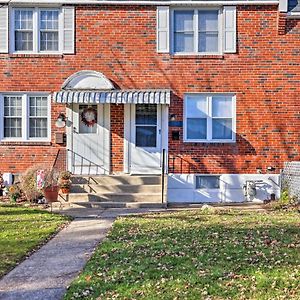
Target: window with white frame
<point x="12" y="118"/>
<point x="25" y="117"/>
<point x="196" y="31"/>
<point x="38" y="117"/>
<point x="36" y="30"/>
<point x="209" y="118"/>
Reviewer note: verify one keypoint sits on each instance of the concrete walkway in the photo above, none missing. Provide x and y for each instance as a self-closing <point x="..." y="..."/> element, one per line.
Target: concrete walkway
<point x="48" y="272"/>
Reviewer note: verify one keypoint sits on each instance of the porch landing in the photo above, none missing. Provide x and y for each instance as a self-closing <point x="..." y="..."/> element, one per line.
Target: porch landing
<point x="119" y="191"/>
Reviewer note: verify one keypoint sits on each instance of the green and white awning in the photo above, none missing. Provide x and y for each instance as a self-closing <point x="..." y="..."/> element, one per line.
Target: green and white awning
<point x="113" y="96"/>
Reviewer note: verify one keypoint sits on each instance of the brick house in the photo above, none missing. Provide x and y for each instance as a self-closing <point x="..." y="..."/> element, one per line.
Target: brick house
<point x="102" y="88"/>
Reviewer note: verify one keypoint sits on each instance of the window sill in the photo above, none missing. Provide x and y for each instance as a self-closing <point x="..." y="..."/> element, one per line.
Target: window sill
<point x="210" y="142"/>
<point x="197" y="56"/>
<point x="35" y="55"/>
<point x="25" y="143"/>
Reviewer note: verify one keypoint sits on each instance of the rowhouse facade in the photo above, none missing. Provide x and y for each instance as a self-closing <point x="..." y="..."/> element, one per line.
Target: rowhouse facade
<point x="103" y="89"/>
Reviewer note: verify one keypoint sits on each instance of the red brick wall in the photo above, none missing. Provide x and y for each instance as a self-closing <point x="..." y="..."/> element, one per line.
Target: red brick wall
<point x="117" y="135"/>
<point x="120" y="42"/>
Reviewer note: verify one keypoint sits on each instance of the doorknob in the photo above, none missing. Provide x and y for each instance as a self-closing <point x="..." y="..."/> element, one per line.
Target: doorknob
<point x="75" y="130"/>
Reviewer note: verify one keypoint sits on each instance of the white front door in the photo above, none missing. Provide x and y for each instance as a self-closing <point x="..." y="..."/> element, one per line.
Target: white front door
<point x="146" y="139"/>
<point x="88" y="139"/>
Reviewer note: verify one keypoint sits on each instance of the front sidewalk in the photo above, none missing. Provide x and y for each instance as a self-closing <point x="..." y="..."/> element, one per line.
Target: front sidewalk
<point x="49" y="271"/>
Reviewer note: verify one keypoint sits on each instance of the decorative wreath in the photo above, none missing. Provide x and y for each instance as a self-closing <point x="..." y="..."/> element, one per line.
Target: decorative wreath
<point x="89" y="116"/>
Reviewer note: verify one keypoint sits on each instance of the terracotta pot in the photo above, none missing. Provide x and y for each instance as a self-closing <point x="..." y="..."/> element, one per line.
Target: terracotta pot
<point x="65" y="190"/>
<point x="51" y="193"/>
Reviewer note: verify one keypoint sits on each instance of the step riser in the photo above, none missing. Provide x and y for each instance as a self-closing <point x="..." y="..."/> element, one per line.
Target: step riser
<point x="105" y="205"/>
<point x="114" y="198"/>
<point x="115" y="189"/>
<point x="118" y="180"/>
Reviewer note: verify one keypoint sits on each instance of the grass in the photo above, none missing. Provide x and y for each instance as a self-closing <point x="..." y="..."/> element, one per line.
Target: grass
<point x="196" y="255"/>
<point x="21" y="231"/>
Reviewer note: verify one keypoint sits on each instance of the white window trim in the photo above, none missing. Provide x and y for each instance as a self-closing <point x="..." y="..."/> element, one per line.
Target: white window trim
<point x="196" y="31"/>
<point x="25" y="118"/>
<point x="209" y="118"/>
<point x="36" y="30"/>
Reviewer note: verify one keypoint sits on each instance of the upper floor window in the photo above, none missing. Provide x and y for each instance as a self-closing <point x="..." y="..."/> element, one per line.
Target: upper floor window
<point x="25" y="117"/>
<point x="196" y="31"/>
<point x="209" y="118"/>
<point x="36" y="30"/>
<point x="205" y="30"/>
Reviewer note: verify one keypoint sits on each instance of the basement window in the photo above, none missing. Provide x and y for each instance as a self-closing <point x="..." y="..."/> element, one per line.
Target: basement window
<point x="207" y="182"/>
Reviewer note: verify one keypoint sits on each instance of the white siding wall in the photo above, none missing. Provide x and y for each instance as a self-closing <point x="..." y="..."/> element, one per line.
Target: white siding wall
<point x="182" y="188"/>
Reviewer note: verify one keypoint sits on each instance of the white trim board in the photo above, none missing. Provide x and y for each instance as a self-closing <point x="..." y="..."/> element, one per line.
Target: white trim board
<point x="150" y="2"/>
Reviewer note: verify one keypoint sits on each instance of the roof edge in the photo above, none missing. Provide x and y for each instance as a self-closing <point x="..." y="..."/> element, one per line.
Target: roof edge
<point x="143" y="2"/>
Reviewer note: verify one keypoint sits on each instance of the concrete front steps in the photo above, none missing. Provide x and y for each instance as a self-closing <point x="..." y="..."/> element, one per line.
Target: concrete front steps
<point x="116" y="191"/>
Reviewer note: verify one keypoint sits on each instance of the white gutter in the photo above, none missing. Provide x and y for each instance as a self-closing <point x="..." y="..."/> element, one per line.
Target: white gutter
<point x="143" y="2"/>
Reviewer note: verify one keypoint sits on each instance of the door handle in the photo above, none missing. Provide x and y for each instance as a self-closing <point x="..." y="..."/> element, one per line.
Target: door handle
<point x="75" y="130"/>
<point x="159" y="131"/>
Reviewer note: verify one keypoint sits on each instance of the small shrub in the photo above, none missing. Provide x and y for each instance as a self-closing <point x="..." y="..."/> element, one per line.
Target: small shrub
<point x="33" y="190"/>
<point x="285" y="202"/>
<point x="29" y="185"/>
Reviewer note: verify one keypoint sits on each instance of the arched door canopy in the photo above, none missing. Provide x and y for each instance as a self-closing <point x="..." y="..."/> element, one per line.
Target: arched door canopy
<point x="88" y="80"/>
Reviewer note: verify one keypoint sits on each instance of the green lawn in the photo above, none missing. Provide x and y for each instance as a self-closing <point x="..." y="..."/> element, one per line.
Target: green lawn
<point x="196" y="255"/>
<point x="21" y="231"/>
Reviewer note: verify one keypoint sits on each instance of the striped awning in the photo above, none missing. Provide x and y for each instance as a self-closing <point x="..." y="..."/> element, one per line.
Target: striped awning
<point x="117" y="97"/>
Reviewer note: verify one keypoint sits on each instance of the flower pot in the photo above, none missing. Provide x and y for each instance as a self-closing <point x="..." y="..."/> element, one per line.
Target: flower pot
<point x="51" y="193"/>
<point x="65" y="190"/>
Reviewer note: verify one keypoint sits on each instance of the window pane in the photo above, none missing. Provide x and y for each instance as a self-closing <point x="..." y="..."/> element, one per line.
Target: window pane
<point x="38" y="106"/>
<point x="145" y="136"/>
<point x="12" y="106"/>
<point x="196" y="107"/>
<point x="183" y="20"/>
<point x="208" y="20"/>
<point x="23" y="19"/>
<point x="90" y="114"/>
<point x="49" y="19"/>
<point x="146" y="114"/>
<point x="196" y="129"/>
<point x="222" y="107"/>
<point x="38" y="128"/>
<point x="12" y="127"/>
<point x="184" y="42"/>
<point x="208" y="42"/>
<point x="222" y="129"/>
<point x="23" y="41"/>
<point x="207" y="182"/>
<point x="49" y="41"/>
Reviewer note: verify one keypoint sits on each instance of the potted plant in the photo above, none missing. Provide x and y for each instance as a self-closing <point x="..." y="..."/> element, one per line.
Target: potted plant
<point x="65" y="188"/>
<point x="50" y="185"/>
<point x="65" y="182"/>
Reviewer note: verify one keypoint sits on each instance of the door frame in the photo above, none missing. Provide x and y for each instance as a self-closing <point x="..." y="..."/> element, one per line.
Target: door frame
<point x="103" y="125"/>
<point x="129" y="124"/>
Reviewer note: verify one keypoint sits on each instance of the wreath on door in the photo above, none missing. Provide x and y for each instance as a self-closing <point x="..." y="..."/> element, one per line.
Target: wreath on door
<point x="89" y="116"/>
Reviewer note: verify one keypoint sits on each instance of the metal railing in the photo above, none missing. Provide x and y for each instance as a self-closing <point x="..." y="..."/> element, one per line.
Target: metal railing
<point x="84" y="162"/>
<point x="163" y="177"/>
